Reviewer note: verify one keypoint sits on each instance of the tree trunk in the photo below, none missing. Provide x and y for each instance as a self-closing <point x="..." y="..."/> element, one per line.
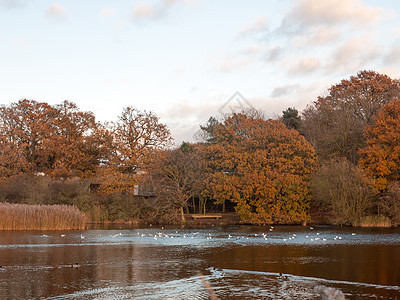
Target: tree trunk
<point x="183" y="215"/>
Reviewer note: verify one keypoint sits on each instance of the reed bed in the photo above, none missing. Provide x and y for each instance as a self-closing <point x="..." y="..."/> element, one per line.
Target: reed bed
<point x="375" y="221"/>
<point x="40" y="217"/>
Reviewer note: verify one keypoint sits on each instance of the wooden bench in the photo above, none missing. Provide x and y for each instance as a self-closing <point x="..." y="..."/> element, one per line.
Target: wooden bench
<point x="196" y="217"/>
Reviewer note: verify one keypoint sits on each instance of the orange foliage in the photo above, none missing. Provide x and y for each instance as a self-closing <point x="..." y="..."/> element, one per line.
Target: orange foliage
<point x="335" y="123"/>
<point x="263" y="167"/>
<point x="381" y="157"/>
<point x="57" y="140"/>
<point x="133" y="141"/>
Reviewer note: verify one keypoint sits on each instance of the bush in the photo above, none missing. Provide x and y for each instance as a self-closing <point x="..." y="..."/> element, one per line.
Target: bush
<point x="389" y="204"/>
<point x="342" y="192"/>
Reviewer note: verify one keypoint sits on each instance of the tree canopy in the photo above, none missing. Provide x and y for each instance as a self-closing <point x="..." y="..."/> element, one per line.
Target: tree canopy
<point x="380" y="158"/>
<point x="262" y="167"/>
<point x="334" y="124"/>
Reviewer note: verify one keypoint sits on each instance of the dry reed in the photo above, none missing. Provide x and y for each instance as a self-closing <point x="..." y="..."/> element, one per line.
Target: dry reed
<point x="40" y="217"/>
<point x="375" y="221"/>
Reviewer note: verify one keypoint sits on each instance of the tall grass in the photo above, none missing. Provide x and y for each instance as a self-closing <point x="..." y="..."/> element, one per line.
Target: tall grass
<point x="40" y="217"/>
<point x="374" y="221"/>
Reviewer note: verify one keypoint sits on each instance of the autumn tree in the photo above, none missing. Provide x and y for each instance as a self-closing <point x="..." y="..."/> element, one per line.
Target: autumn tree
<point x="334" y="124"/>
<point x="342" y="193"/>
<point x="76" y="142"/>
<point x="178" y="176"/>
<point x="23" y="128"/>
<point x="380" y="158"/>
<point x="261" y="166"/>
<point x="57" y="140"/>
<point x="135" y="138"/>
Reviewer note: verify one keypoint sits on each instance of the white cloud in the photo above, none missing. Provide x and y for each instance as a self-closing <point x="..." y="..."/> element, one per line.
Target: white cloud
<point x="306" y="13"/>
<point x="56" y="11"/>
<point x="107" y="12"/>
<point x="257" y="26"/>
<point x="230" y="64"/>
<point x="144" y="11"/>
<point x="392" y="58"/>
<point x="23" y="43"/>
<point x="353" y="55"/>
<point x="177" y="72"/>
<point x="305" y="65"/>
<point x="13" y="3"/>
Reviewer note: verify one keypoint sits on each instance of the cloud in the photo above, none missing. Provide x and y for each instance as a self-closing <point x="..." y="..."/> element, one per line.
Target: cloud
<point x="107" y="12"/>
<point x="317" y="36"/>
<point x="229" y="64"/>
<point x="23" y="43"/>
<point x="257" y="26"/>
<point x="353" y="55"/>
<point x="393" y="56"/>
<point x="56" y="11"/>
<point x="305" y="66"/>
<point x="143" y="11"/>
<point x="10" y="4"/>
<point x="284" y="90"/>
<point x="177" y="72"/>
<point x="306" y="13"/>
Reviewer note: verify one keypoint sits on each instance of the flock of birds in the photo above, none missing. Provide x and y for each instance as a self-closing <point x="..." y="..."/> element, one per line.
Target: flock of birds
<point x="171" y="235"/>
<point x="265" y="236"/>
<point x="161" y="234"/>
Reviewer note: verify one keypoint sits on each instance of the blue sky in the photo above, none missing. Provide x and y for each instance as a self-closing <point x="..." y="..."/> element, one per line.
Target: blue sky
<point x="183" y="59"/>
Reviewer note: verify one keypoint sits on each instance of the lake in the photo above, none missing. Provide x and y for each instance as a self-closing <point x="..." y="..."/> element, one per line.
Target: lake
<point x="172" y="263"/>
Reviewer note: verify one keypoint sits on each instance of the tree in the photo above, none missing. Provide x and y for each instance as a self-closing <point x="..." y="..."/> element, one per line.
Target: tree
<point x="291" y="118"/>
<point x="206" y="132"/>
<point x="177" y="176"/>
<point x="341" y="192"/>
<point x="135" y="138"/>
<point x="23" y="129"/>
<point x="334" y="124"/>
<point x="380" y="158"/>
<point x="57" y="140"/>
<point x="261" y="166"/>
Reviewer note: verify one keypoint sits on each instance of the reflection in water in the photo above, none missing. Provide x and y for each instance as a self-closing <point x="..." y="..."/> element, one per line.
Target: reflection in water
<point x="158" y="263"/>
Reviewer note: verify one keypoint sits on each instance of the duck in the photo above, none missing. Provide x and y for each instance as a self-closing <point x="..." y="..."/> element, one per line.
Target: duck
<point x="76" y="265"/>
<point x="283" y="277"/>
<point x="209" y="268"/>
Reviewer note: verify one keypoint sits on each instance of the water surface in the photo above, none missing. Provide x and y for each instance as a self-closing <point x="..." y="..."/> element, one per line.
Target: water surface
<point x="170" y="263"/>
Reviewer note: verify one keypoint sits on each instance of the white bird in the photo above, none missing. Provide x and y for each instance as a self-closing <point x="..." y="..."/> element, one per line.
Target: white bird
<point x="82" y="237"/>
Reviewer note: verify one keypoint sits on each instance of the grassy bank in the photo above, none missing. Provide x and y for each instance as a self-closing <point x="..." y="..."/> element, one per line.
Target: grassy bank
<point x="40" y="217"/>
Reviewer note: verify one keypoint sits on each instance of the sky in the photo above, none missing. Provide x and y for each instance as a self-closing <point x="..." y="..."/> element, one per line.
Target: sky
<point x="187" y="60"/>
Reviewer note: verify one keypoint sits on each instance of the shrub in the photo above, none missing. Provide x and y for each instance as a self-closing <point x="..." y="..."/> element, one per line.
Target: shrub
<point x="342" y="192"/>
